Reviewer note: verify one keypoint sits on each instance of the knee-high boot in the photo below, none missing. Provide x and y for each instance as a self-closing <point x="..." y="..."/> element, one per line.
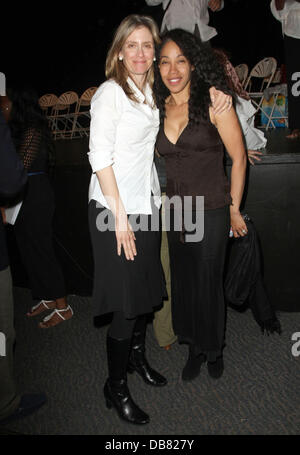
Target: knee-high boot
<point x="116" y="392"/>
<point x="138" y="361"/>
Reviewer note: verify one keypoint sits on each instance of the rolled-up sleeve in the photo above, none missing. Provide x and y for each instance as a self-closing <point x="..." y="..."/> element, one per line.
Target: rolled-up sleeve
<point x="105" y="113"/>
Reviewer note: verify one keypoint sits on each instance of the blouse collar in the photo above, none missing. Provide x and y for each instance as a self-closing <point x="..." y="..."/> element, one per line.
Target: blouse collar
<point x="139" y="95"/>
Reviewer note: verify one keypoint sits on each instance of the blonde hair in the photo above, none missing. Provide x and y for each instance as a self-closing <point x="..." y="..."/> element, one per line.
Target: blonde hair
<point x="114" y="68"/>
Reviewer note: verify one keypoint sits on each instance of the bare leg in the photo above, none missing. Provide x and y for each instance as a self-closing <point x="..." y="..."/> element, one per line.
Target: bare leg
<point x="62" y="312"/>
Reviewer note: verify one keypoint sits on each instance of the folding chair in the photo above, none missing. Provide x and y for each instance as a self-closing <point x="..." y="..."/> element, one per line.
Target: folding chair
<point x="47" y="103"/>
<point x="278" y="112"/>
<point x="81" y="125"/>
<point x="265" y="70"/>
<point x="242" y="71"/>
<point x="63" y="115"/>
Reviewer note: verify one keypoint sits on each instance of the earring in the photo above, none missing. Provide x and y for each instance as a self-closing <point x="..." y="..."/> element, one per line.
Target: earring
<point x="120" y="58"/>
<point x="154" y="59"/>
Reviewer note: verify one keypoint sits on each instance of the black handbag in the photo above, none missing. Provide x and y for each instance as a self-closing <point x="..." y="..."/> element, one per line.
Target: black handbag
<point x="244" y="282"/>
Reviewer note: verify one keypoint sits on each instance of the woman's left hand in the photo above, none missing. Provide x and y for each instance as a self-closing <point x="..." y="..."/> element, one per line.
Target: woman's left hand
<point x="238" y="225"/>
<point x="220" y="101"/>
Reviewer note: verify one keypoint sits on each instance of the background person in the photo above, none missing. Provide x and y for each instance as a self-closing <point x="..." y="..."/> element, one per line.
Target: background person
<point x="190" y="15"/>
<point x="253" y="137"/>
<point x="288" y="13"/>
<point x="12" y="179"/>
<point x="33" y="227"/>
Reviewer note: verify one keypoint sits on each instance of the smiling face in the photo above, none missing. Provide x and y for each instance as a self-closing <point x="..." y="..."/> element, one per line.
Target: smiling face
<point x="175" y="69"/>
<point x="138" y="52"/>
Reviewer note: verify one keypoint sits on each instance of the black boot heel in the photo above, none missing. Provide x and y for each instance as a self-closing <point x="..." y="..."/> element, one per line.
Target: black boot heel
<point x="138" y="362"/>
<point x="118" y="396"/>
<point x="116" y="392"/>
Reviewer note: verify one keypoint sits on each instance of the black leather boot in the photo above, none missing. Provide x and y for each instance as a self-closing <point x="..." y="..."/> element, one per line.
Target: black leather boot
<point x="193" y="365"/>
<point x="215" y="369"/>
<point x="116" y="392"/>
<point x="138" y="362"/>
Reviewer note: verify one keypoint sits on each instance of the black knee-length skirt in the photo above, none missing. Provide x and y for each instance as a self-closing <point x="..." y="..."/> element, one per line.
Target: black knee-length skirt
<point x="133" y="287"/>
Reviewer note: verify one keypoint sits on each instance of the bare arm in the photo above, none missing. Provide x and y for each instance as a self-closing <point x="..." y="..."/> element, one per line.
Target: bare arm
<point x="230" y="132"/>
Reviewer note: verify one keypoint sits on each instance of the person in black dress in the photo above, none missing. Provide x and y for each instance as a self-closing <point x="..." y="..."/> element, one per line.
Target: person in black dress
<point x="33" y="226"/>
<point x="191" y="139"/>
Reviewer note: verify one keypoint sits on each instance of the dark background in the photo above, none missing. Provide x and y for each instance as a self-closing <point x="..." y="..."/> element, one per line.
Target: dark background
<point x="56" y="47"/>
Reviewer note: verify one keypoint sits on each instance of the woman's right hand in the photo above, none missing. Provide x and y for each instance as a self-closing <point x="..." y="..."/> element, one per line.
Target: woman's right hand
<point x="125" y="238"/>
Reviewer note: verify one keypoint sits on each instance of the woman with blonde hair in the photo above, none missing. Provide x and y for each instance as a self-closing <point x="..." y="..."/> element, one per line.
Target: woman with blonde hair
<point x="128" y="278"/>
<point x="124" y="203"/>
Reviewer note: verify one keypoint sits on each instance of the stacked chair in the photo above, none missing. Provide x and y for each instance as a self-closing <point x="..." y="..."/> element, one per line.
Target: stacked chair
<point x="68" y="114"/>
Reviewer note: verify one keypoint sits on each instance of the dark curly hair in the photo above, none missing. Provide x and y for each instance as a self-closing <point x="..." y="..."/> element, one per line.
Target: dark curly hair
<point x="208" y="72"/>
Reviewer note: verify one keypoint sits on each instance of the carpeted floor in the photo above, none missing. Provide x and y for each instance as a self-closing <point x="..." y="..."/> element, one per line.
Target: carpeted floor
<point x="258" y="393"/>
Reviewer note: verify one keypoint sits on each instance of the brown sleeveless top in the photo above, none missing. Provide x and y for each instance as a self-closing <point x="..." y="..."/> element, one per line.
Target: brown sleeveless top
<point x="194" y="165"/>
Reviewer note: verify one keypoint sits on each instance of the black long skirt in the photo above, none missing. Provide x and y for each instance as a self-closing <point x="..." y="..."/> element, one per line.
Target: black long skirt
<point x="34" y="234"/>
<point x="198" y="306"/>
<point x="133" y="287"/>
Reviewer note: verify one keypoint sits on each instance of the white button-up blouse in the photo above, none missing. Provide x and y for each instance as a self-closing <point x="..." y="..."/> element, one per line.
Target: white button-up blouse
<point x="123" y="135"/>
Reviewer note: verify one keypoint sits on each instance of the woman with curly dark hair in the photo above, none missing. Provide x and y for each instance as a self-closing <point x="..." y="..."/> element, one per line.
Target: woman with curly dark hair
<point x="191" y="139"/>
<point x="33" y="226"/>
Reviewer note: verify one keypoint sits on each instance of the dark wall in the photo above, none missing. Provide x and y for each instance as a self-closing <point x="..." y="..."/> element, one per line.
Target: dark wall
<point x="63" y="47"/>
